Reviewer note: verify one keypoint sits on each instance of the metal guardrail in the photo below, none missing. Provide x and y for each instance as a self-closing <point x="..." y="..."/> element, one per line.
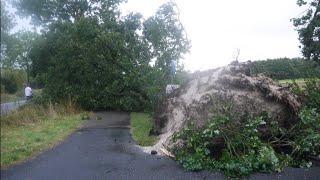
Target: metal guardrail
<point x="10" y="106"/>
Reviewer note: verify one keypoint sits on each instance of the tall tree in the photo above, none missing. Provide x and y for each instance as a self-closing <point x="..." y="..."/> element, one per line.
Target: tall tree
<point x="308" y="27"/>
<point x="7" y="23"/>
<point x="20" y="54"/>
<point x="91" y="53"/>
<point x="167" y="38"/>
<point x="51" y="11"/>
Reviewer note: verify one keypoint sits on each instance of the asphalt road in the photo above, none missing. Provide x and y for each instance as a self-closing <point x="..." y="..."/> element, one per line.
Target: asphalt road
<point x="104" y="149"/>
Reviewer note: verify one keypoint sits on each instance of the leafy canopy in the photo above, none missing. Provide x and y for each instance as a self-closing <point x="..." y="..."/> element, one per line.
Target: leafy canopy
<point x="91" y="53"/>
<point x="308" y="27"/>
<point x="7" y="23"/>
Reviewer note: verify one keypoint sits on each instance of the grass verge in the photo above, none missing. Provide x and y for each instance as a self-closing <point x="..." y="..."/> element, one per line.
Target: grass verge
<point x="141" y="124"/>
<point x="33" y="129"/>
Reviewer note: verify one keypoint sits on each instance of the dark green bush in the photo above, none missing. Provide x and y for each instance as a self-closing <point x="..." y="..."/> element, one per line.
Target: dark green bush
<point x="2" y="88"/>
<point x="313" y="93"/>
<point x="12" y="80"/>
<point x="9" y="85"/>
<point x="309" y="93"/>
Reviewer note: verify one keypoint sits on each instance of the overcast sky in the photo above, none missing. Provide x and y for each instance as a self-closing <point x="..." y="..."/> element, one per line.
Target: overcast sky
<point x="261" y="29"/>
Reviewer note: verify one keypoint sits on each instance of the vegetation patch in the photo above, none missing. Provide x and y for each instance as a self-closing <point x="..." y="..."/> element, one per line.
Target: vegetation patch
<point x="285" y="68"/>
<point x="34" y="128"/>
<point x="141" y="125"/>
<point x="301" y="82"/>
<point x="8" y="97"/>
<point x="11" y="80"/>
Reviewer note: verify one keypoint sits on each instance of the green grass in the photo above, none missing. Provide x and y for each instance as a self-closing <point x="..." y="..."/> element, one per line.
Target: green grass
<point x="290" y="81"/>
<point x="141" y="124"/>
<point x="31" y="134"/>
<point x="300" y="81"/>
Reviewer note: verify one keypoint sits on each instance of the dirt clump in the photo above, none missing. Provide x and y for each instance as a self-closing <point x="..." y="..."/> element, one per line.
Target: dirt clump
<point x="213" y="92"/>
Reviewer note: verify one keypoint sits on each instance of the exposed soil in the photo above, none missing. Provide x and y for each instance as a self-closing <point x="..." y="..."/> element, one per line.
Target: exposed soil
<point x="213" y="92"/>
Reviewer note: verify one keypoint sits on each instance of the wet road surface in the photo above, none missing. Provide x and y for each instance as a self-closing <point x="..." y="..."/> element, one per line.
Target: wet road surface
<point x="104" y="149"/>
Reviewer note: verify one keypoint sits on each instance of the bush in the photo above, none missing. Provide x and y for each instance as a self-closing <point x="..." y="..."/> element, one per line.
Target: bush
<point x="9" y="85"/>
<point x="309" y="93"/>
<point x="12" y="80"/>
<point x="2" y="88"/>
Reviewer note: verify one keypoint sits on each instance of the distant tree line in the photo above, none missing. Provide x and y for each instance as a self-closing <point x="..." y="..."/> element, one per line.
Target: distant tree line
<point x="286" y="68"/>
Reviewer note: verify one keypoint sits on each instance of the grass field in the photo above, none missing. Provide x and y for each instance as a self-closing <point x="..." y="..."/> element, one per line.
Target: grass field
<point x="141" y="124"/>
<point x="29" y="131"/>
<point x="288" y="81"/>
<point x="300" y="82"/>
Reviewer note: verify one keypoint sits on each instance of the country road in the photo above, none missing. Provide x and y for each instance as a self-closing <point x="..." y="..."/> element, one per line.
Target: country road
<point x="103" y="149"/>
<point x="10" y="106"/>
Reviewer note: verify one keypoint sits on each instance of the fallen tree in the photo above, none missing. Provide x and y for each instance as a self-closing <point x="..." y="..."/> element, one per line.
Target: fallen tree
<point x="226" y="115"/>
<point x="208" y="93"/>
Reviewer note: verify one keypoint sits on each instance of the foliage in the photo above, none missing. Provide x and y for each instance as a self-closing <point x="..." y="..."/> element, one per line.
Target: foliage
<point x="15" y="47"/>
<point x="32" y="129"/>
<point x="285" y="68"/>
<point x="141" y="125"/>
<point x="243" y="151"/>
<point x="304" y="136"/>
<point x="7" y="23"/>
<point x="307" y="140"/>
<point x="90" y="53"/>
<point x="167" y="38"/>
<point x="18" y="56"/>
<point x="309" y="93"/>
<point x="12" y="80"/>
<point x="45" y="13"/>
<point x="308" y="27"/>
<point x="261" y="144"/>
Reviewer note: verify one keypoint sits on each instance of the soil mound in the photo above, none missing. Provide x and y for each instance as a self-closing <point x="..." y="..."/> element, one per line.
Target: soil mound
<point x="230" y="89"/>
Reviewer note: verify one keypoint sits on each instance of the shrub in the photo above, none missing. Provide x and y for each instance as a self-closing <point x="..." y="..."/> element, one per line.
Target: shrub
<point x="2" y="88"/>
<point x="309" y="93"/>
<point x="239" y="149"/>
<point x="12" y="80"/>
<point x="9" y="85"/>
